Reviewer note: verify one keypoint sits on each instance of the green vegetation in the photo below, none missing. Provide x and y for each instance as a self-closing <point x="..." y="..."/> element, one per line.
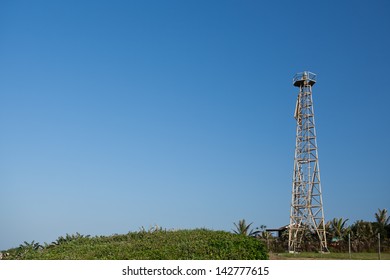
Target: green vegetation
<point x="155" y="244"/>
<point x="244" y="229"/>
<point x="362" y="240"/>
<point x="359" y="238"/>
<point x="330" y="256"/>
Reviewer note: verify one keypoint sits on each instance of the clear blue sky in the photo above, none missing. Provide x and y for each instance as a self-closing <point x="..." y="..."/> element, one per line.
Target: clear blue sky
<point x="121" y="114"/>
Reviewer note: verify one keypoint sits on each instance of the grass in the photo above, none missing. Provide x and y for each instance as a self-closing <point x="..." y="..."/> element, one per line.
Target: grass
<point x="198" y="244"/>
<point x="330" y="256"/>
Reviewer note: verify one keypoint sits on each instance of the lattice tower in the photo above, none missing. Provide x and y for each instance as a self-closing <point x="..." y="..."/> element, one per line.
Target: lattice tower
<point x="307" y="213"/>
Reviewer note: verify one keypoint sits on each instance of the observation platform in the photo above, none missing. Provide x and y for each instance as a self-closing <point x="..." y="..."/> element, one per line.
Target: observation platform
<point x="304" y="79"/>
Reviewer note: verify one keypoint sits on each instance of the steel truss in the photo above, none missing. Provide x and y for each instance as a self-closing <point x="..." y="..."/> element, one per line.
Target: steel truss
<point x="307" y="214"/>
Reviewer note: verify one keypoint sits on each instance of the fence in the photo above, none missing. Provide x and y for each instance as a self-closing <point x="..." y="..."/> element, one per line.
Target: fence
<point x="349" y="244"/>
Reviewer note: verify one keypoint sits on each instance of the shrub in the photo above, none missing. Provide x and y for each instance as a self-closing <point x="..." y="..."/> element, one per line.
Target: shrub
<point x="198" y="244"/>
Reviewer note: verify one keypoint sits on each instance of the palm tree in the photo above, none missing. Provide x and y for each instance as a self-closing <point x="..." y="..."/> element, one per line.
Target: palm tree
<point x="337" y="228"/>
<point x="362" y="235"/>
<point x="363" y="230"/>
<point x="382" y="217"/>
<point x="382" y="220"/>
<point x="30" y="246"/>
<point x="244" y="229"/>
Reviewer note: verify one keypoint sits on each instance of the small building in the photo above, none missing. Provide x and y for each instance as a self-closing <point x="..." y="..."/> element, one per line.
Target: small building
<point x="277" y="232"/>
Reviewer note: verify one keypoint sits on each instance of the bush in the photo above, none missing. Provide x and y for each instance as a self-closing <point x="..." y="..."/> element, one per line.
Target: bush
<point x="198" y="244"/>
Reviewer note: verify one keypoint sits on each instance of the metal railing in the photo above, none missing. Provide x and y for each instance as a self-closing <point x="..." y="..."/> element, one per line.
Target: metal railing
<point x="306" y="75"/>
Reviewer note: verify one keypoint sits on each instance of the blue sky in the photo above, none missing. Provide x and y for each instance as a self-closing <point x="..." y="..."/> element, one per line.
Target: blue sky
<point x="120" y="114"/>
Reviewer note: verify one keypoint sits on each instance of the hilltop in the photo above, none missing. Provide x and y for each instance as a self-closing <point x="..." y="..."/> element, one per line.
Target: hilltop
<point x="157" y="244"/>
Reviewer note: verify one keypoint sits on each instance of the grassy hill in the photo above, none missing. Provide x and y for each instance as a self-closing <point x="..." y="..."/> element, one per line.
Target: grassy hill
<point x="198" y="244"/>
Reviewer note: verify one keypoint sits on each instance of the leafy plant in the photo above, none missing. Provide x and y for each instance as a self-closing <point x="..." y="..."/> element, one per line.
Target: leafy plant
<point x="200" y="244"/>
<point x="243" y="228"/>
<point x="382" y="222"/>
<point x="30" y="246"/>
<point x="338" y="228"/>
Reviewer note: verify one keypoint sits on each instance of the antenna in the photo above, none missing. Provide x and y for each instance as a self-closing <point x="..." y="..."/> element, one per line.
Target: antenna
<point x="307" y="213"/>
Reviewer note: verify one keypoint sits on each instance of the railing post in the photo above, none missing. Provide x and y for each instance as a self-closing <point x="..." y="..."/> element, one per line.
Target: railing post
<point x="349" y="245"/>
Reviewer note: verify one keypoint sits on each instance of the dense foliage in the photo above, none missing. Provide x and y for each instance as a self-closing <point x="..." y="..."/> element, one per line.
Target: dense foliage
<point x="361" y="236"/>
<point x="157" y="244"/>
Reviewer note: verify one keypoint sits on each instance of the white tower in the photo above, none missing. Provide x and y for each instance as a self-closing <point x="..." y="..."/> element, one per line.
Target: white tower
<point x="307" y="213"/>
